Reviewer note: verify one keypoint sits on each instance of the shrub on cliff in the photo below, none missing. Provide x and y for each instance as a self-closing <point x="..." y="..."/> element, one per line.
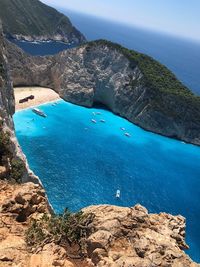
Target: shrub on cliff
<point x="4" y="145"/>
<point x="17" y="169"/>
<point x="66" y="229"/>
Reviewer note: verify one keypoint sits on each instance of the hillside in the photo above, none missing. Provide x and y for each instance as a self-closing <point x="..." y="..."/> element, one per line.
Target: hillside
<point x="32" y="20"/>
<point x="130" y="84"/>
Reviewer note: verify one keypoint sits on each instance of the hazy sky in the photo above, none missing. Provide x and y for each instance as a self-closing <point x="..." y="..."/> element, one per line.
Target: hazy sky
<point x="179" y="17"/>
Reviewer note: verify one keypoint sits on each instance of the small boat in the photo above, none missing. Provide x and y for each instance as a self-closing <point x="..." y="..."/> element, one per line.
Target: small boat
<point x="39" y="112"/>
<point x="102" y="120"/>
<point x="98" y="113"/>
<point x="117" y="194"/>
<point x="122" y="128"/>
<point x="94" y="113"/>
<point x="94" y="121"/>
<point x="127" y="134"/>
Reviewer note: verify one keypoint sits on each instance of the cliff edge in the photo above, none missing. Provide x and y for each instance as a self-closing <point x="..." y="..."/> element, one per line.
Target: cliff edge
<point x="115" y="237"/>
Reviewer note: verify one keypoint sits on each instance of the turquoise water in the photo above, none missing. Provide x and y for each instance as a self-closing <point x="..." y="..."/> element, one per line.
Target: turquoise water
<point x="81" y="163"/>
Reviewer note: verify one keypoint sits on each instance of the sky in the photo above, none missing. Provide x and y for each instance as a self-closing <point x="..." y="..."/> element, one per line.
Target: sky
<point x="176" y="17"/>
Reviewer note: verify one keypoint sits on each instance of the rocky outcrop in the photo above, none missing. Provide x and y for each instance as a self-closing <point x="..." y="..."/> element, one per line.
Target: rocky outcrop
<point x="118" y="237"/>
<point x="32" y="20"/>
<point x="128" y="83"/>
<point x="132" y="237"/>
<point x="19" y="204"/>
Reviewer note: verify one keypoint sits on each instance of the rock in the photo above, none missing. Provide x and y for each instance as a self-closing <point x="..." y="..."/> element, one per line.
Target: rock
<point x="142" y="245"/>
<point x="102" y="72"/>
<point x="99" y="239"/>
<point x="26" y="200"/>
<point x="54" y="26"/>
<point x="3" y="172"/>
<point x="98" y="254"/>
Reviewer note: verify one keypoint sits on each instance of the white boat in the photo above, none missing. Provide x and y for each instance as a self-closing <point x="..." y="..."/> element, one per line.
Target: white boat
<point x="122" y="128"/>
<point x="39" y="112"/>
<point x="94" y="121"/>
<point x="117" y="194"/>
<point x="102" y="120"/>
<point x="94" y="113"/>
<point x="127" y="134"/>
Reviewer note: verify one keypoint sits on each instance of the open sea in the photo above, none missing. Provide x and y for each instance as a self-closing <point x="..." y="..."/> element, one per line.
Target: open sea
<point x="81" y="163"/>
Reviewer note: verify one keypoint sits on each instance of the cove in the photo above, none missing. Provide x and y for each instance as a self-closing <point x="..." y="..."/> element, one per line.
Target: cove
<point x="81" y="163"/>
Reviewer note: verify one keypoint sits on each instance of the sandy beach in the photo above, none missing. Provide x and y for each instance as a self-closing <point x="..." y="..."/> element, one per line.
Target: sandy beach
<point x="42" y="95"/>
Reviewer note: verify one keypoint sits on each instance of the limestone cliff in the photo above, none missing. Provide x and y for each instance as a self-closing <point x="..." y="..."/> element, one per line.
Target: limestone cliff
<point x="130" y="84"/>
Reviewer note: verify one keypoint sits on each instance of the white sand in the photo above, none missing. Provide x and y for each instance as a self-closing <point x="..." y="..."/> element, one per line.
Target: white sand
<point x="42" y="95"/>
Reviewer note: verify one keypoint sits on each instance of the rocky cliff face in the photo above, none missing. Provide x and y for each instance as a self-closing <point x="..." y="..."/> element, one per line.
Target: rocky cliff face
<point x="132" y="237"/>
<point x="130" y="84"/>
<point x="31" y="20"/>
<point x="7" y="105"/>
<point x="11" y="154"/>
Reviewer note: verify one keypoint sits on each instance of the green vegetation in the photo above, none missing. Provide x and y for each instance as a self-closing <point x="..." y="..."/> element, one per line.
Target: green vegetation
<point x="15" y="166"/>
<point x="156" y="75"/>
<point x="162" y="84"/>
<point x="4" y="144"/>
<point x="66" y="229"/>
<point x="31" y="17"/>
<point x="1" y="68"/>
<point x="17" y="169"/>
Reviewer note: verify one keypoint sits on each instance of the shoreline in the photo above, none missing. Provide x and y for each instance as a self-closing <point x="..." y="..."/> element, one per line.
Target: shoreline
<point x="35" y="106"/>
<point x="41" y="95"/>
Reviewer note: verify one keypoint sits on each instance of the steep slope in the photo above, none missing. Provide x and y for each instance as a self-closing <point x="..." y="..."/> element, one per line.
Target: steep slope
<point x="131" y="84"/>
<point x="33" y="20"/>
<point x="13" y="164"/>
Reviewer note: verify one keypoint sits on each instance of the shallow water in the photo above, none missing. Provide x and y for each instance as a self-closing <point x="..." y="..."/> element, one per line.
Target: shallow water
<point x="81" y="163"/>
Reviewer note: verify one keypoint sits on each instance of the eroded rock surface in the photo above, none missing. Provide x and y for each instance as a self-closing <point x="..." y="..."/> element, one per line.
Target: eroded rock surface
<point x="119" y="236"/>
<point x="103" y="72"/>
<point x="18" y="205"/>
<point x="132" y="237"/>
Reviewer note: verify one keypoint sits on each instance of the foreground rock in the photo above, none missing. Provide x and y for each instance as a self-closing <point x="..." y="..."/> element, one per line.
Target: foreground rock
<point x="132" y="237"/>
<point x="18" y="205"/>
<point x="130" y="84"/>
<point x="119" y="236"/>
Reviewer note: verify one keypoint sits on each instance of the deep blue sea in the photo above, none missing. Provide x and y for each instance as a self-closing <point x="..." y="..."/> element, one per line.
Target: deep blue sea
<point x="81" y="163"/>
<point x="42" y="48"/>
